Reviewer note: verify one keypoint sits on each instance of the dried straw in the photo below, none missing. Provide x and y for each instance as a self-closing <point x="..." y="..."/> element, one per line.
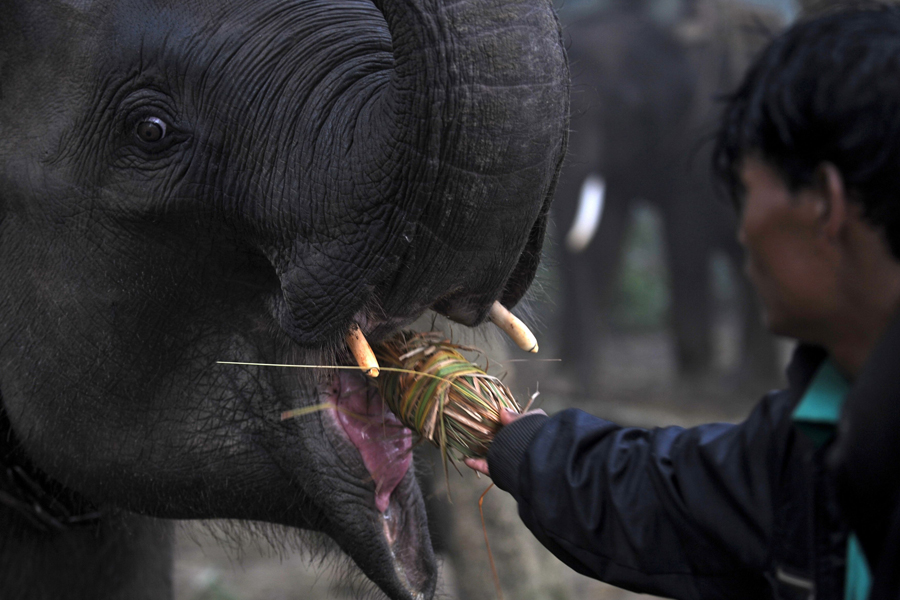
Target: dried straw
<point x="435" y="391"/>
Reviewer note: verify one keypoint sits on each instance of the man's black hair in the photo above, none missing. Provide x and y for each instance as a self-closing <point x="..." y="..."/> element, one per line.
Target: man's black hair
<point x="827" y="90"/>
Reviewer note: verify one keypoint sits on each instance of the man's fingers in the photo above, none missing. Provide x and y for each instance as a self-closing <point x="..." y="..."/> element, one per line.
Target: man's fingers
<point x="477" y="464"/>
<point x="508" y="416"/>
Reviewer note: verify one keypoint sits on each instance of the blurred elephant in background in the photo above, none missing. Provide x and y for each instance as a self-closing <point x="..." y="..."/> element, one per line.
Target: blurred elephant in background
<point x="645" y="76"/>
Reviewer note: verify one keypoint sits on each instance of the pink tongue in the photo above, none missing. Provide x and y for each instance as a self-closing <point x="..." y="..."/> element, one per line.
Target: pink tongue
<point x="383" y="442"/>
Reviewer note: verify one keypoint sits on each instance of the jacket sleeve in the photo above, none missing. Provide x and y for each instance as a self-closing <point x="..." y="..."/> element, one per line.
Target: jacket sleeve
<point x="683" y="513"/>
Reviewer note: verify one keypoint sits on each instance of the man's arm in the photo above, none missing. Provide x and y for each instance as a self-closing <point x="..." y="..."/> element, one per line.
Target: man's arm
<point x="685" y="513"/>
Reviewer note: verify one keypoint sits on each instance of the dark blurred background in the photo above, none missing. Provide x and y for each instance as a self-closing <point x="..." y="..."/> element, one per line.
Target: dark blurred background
<point x="642" y="241"/>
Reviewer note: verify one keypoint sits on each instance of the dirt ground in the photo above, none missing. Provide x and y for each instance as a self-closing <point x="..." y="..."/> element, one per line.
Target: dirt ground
<point x="640" y="388"/>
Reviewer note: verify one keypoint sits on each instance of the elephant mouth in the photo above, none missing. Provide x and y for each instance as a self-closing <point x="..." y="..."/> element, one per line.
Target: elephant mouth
<point x="383" y="443"/>
<point x="384" y="446"/>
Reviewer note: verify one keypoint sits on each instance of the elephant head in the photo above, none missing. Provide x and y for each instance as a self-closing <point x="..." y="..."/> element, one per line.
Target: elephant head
<point x="188" y="182"/>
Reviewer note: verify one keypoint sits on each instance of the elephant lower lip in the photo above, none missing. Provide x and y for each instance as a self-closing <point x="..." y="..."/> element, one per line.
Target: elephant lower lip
<point x="384" y="444"/>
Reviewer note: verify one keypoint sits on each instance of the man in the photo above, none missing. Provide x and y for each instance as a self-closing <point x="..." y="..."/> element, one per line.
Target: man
<point x="800" y="500"/>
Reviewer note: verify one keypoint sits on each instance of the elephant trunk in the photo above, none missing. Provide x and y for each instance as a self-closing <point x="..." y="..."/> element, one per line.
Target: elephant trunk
<point x="438" y="179"/>
<point x="479" y="96"/>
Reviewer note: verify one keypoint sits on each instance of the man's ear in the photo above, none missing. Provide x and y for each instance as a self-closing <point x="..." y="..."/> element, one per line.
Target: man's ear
<point x="830" y="196"/>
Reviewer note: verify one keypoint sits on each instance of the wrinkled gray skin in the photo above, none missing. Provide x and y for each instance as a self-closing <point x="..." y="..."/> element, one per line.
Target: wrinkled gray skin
<point x="324" y="162"/>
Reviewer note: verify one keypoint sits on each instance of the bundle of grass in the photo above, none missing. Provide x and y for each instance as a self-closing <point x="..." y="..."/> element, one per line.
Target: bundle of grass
<point x="438" y="393"/>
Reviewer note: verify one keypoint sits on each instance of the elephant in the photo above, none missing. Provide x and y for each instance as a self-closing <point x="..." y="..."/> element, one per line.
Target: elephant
<point x="186" y="183"/>
<point x="644" y="84"/>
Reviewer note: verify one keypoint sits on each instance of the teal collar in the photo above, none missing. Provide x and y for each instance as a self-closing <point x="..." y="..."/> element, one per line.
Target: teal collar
<point x="816" y="416"/>
<point x="822" y="402"/>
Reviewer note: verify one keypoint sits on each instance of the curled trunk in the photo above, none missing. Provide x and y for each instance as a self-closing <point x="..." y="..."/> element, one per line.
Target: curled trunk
<point x="455" y="154"/>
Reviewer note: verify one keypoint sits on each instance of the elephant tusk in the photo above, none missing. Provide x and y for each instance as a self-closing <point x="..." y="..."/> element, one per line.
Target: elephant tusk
<point x="362" y="351"/>
<point x="590" y="212"/>
<point x="513" y="327"/>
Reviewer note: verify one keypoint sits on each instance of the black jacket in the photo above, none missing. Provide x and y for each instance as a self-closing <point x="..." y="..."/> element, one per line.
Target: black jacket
<point x="718" y="511"/>
<point x="865" y="462"/>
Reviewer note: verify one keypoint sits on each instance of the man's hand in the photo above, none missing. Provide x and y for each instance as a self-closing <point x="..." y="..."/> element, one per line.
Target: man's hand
<point x="506" y="417"/>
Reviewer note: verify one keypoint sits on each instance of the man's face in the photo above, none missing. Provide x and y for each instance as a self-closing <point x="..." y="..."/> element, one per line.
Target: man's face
<point x="786" y="254"/>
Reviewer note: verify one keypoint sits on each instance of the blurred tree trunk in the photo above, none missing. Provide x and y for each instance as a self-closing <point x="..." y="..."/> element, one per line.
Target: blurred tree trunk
<point x="527" y="571"/>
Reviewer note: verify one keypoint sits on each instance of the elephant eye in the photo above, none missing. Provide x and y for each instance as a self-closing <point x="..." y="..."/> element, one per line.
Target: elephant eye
<point x="151" y="129"/>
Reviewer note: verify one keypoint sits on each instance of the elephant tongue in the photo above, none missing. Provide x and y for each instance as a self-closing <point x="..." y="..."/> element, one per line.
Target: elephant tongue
<point x="383" y="442"/>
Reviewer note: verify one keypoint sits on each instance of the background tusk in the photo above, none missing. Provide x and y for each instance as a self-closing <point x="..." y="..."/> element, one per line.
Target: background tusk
<point x="514" y="328"/>
<point x="362" y="351"/>
<point x="590" y="212"/>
